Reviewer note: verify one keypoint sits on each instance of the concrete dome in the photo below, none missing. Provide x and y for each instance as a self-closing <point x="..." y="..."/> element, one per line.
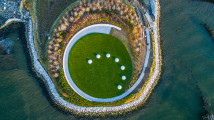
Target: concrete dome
<point x="123" y="77"/>
<point x="116" y="59"/>
<point x="89" y="61"/>
<point x="119" y="87"/>
<point x="122" y="67"/>
<point x="108" y="55"/>
<point x="98" y="56"/>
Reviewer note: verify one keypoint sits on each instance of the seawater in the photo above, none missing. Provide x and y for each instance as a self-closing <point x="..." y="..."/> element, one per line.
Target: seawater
<point x="21" y="95"/>
<point x="188" y="71"/>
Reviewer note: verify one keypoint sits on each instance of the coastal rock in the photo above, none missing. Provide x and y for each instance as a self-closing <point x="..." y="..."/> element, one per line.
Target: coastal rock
<point x="95" y="111"/>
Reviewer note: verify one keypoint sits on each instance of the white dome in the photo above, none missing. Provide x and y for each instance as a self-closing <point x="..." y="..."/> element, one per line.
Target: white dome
<point x="122" y="67"/>
<point x="98" y="56"/>
<point x="119" y="87"/>
<point x="89" y="61"/>
<point x="108" y="55"/>
<point x="116" y="59"/>
<point x="123" y="77"/>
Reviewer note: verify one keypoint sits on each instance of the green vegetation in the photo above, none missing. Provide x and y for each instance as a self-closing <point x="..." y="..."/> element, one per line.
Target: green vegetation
<point x="61" y="83"/>
<point x="89" y="18"/>
<point x="71" y="96"/>
<point x="100" y="79"/>
<point x="44" y="13"/>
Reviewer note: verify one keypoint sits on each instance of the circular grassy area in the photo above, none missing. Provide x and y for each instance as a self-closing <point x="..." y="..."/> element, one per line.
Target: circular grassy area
<point x="101" y="77"/>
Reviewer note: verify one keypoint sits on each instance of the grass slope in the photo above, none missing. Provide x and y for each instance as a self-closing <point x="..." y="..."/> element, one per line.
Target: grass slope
<point x="99" y="79"/>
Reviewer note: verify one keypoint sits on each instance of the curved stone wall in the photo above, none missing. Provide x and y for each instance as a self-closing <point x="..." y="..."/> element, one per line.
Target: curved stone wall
<point x="96" y="111"/>
<point x="99" y="28"/>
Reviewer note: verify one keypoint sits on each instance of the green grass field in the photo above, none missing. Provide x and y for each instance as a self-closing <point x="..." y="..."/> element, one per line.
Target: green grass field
<point x="101" y="78"/>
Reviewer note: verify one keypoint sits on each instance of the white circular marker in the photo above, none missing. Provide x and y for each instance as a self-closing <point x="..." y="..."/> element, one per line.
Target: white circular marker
<point x="116" y="59"/>
<point x="123" y="77"/>
<point x="89" y="61"/>
<point x="119" y="87"/>
<point x="98" y="56"/>
<point x="108" y="55"/>
<point x="122" y="67"/>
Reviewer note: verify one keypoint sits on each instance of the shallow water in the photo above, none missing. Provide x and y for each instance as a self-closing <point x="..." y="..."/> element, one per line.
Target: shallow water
<point x="21" y="96"/>
<point x="188" y="63"/>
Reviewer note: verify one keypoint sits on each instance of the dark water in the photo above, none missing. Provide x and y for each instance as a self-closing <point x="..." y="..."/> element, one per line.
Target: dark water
<point x="21" y="96"/>
<point x="188" y="68"/>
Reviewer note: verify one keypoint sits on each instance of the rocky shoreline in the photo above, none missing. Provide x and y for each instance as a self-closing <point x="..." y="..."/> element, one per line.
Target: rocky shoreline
<point x="96" y="111"/>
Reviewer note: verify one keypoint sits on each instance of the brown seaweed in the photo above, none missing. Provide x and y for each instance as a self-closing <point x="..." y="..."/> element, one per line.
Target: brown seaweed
<point x="209" y="30"/>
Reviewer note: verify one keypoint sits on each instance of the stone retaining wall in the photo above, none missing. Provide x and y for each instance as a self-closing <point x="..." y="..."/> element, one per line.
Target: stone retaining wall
<point x="95" y="111"/>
